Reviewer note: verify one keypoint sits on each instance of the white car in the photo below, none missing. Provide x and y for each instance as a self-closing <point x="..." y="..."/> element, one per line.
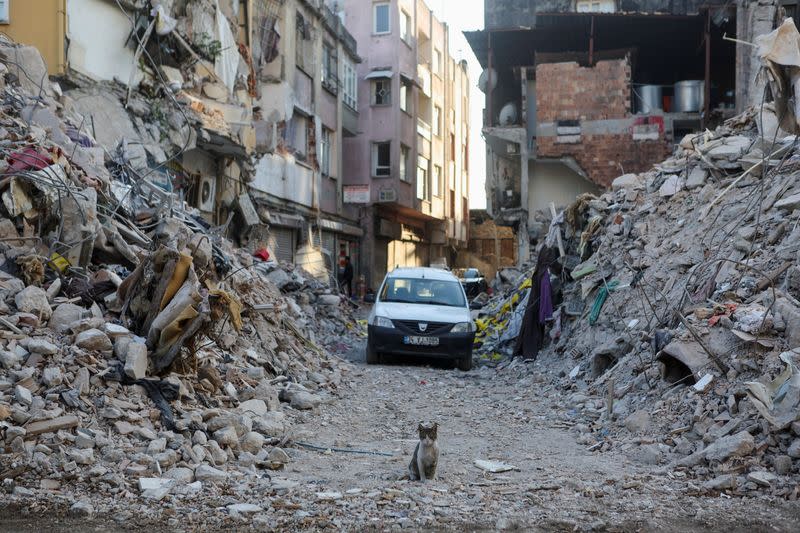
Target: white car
<point x="421" y="312"/>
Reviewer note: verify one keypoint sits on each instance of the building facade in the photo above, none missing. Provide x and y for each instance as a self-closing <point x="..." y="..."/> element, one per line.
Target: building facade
<point x="406" y="172"/>
<point x="580" y="92"/>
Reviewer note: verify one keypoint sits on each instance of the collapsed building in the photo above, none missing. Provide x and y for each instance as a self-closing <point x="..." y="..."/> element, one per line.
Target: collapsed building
<point x="578" y="93"/>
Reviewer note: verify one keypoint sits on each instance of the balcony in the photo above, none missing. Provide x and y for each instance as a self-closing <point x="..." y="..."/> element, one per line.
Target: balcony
<point x="424" y="129"/>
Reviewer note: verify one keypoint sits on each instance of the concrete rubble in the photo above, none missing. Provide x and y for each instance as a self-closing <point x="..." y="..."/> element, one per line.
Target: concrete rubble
<point x="142" y="354"/>
<point x="678" y="335"/>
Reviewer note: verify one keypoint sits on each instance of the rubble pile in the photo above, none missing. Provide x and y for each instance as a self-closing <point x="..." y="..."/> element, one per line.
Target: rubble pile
<point x="678" y="334"/>
<point x="141" y="352"/>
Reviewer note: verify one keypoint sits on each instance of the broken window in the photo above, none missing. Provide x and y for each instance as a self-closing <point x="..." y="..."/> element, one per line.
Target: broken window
<point x="304" y="49"/>
<point x="350" y="85"/>
<point x="381" y="18"/>
<point x="382" y="91"/>
<point x="381" y="160"/>
<point x="330" y="67"/>
<point x="296" y="135"/>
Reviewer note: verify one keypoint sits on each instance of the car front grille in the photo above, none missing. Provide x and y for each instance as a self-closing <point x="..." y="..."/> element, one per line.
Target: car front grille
<point x="433" y="328"/>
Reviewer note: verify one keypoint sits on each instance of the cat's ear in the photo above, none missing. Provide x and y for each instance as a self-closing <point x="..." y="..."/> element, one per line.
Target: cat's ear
<point x="420" y="427"/>
<point x="435" y="426"/>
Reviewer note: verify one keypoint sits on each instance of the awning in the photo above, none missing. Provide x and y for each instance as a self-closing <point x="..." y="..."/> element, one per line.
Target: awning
<point x="220" y="145"/>
<point x="286" y="220"/>
<point x="340" y="227"/>
<point x="410" y="79"/>
<point x="379" y="74"/>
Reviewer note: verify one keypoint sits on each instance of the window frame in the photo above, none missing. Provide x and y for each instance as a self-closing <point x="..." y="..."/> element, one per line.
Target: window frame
<point x="350" y="84"/>
<point x="375" y="7"/>
<point x="437" y="121"/>
<point x="425" y="170"/>
<point x="374" y="88"/>
<point x="378" y="170"/>
<point x="405" y="28"/>
<point x="325" y="152"/>
<point x="405" y="97"/>
<point x="436" y="182"/>
<point x="330" y="67"/>
<point x="436" y="61"/>
<point x="405" y="157"/>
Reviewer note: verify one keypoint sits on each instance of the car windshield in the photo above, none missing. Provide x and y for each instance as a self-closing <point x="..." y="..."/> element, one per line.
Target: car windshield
<point x="423" y="291"/>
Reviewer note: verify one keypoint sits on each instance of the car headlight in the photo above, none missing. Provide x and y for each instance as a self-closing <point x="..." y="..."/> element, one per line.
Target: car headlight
<point x="463" y="327"/>
<point x="383" y="322"/>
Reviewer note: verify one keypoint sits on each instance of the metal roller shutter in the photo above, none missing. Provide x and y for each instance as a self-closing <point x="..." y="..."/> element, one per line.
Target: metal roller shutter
<point x="282" y="241"/>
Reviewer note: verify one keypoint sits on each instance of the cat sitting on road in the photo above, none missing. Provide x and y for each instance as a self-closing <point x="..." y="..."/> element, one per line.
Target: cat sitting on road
<point x="426" y="454"/>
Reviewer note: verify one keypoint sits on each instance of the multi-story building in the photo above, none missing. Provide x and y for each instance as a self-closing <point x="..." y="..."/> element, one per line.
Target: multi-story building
<point x="406" y="171"/>
<point x="581" y="92"/>
<point x="307" y="110"/>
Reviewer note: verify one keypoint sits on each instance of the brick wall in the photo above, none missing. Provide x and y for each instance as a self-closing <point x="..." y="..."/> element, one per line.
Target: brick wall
<point x="567" y="91"/>
<point x="606" y="157"/>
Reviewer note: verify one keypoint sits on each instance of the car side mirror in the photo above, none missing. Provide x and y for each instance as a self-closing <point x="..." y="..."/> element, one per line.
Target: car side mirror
<point x="369" y="298"/>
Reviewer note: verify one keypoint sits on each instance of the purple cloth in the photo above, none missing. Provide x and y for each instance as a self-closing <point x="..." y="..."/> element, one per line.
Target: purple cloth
<point x="545" y="298"/>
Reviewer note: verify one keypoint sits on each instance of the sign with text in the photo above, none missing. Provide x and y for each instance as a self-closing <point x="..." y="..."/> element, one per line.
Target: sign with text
<point x="356" y="194"/>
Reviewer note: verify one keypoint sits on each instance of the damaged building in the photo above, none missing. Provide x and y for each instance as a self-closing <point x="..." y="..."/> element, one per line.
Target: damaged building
<point x="581" y="92"/>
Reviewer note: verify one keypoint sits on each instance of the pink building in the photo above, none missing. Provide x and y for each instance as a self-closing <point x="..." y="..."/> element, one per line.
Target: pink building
<point x="405" y="173"/>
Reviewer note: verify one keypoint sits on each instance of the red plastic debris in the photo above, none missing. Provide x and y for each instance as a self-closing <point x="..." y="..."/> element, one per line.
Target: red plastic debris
<point x="262" y="253"/>
<point x="28" y="159"/>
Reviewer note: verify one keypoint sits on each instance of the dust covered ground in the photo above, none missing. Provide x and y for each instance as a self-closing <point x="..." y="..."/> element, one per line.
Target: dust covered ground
<point x="503" y="415"/>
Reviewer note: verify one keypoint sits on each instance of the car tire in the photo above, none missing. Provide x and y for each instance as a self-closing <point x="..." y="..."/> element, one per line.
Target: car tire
<point x="372" y="356"/>
<point x="464" y="363"/>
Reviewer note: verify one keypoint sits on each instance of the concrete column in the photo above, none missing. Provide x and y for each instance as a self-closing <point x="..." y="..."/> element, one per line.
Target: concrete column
<point x="753" y="18"/>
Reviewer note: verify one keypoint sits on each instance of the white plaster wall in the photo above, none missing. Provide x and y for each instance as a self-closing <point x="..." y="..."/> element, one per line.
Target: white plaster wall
<point x="284" y="178"/>
<point x="97" y="30"/>
<point x="554" y="182"/>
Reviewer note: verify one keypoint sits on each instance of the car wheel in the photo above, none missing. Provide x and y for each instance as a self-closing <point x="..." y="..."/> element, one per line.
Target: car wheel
<point x="372" y="356"/>
<point x="465" y="362"/>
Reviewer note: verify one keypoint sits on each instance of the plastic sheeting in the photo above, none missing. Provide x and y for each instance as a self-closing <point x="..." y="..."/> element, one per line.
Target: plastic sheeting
<point x="227" y="63"/>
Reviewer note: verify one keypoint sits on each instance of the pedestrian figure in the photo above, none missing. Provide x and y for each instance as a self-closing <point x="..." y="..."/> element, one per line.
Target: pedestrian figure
<point x="540" y="306"/>
<point x="346" y="279"/>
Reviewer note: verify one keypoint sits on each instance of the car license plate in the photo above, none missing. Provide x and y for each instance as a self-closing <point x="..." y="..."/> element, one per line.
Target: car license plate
<point x="421" y="341"/>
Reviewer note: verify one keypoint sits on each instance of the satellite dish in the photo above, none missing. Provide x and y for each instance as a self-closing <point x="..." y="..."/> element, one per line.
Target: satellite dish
<point x="488" y="76"/>
<point x="508" y="115"/>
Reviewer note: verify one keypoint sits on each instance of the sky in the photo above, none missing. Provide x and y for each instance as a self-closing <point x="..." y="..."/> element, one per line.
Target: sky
<point x="461" y="15"/>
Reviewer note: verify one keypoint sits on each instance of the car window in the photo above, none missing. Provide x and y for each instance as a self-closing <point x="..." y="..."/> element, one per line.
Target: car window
<point x="472" y="273"/>
<point x="423" y="291"/>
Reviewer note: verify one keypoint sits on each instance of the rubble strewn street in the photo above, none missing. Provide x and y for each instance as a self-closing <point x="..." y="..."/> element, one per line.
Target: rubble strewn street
<point x="160" y="372"/>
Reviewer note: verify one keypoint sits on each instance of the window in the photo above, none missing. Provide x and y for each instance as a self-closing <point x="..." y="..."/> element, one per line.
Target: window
<point x="404" y="155"/>
<point x="325" y="148"/>
<point x="404" y="101"/>
<point x="422" y="178"/>
<point x="381" y="160"/>
<point x="381" y="23"/>
<point x="437" y="181"/>
<point x="382" y="91"/>
<point x="437" y="62"/>
<point x="303" y="46"/>
<point x="452" y="147"/>
<point x="350" y="85"/>
<point x="437" y="121"/>
<point x="295" y="135"/>
<point x="330" y="68"/>
<point x="405" y="27"/>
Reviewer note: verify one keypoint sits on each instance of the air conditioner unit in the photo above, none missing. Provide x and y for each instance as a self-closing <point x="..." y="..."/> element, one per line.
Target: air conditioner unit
<point x="206" y="193"/>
